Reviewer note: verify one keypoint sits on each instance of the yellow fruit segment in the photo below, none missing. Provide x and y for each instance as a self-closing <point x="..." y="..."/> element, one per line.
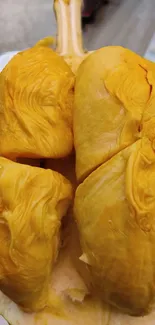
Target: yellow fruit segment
<point x="79" y="307"/>
<point x="32" y="204"/>
<point x="36" y="102"/>
<point x="112" y="90"/>
<point x="114" y="209"/>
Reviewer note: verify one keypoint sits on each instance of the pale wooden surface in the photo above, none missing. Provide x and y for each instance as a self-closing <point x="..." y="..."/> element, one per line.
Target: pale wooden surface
<point x="131" y="24"/>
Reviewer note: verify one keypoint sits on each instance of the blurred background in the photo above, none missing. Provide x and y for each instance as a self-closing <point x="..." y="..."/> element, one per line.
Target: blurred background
<point x="130" y="23"/>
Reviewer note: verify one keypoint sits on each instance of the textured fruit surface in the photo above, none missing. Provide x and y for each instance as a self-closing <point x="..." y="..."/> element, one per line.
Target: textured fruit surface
<point x="78" y="307"/>
<point x="36" y="101"/>
<point x="114" y="131"/>
<point x="32" y="204"/>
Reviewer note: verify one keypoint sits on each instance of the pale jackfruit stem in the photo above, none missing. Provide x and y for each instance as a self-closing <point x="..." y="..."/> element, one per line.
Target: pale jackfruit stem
<point x="69" y="36"/>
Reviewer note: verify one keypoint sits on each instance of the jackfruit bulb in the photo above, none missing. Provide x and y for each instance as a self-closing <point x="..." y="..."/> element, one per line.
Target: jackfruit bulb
<point x="78" y="306"/>
<point x="114" y="131"/>
<point x="32" y="204"/>
<point x="36" y="99"/>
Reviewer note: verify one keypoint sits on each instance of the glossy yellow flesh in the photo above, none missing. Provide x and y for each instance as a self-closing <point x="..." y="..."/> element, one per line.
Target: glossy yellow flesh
<point x="112" y="91"/>
<point x="32" y="204"/>
<point x="115" y="205"/>
<point x="78" y="307"/>
<point x="36" y="101"/>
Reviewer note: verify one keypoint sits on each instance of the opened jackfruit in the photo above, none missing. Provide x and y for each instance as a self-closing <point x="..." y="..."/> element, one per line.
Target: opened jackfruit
<point x="36" y="99"/>
<point x="114" y="130"/>
<point x="32" y="204"/>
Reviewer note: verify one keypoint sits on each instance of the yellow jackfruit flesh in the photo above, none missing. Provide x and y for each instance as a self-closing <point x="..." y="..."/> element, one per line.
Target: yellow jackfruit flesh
<point x="36" y="99"/>
<point x="32" y="204"/>
<point x="78" y="306"/>
<point x="114" y="131"/>
<point x="109" y="104"/>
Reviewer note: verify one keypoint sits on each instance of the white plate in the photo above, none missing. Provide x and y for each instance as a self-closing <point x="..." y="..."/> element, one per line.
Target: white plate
<point x="4" y="59"/>
<point x="3" y="321"/>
